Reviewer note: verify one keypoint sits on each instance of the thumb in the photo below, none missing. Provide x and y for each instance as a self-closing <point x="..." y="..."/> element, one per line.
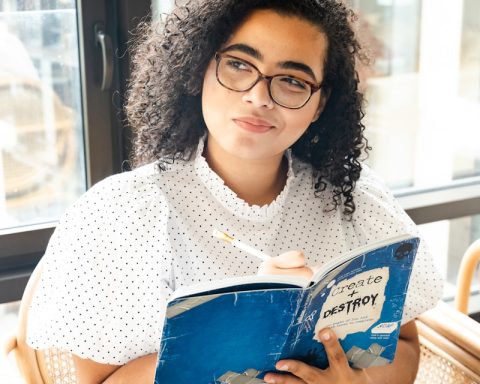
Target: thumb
<point x="290" y="259"/>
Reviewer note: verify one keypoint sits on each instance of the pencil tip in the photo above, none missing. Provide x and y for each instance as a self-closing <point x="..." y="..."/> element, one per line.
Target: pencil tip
<point x="222" y="235"/>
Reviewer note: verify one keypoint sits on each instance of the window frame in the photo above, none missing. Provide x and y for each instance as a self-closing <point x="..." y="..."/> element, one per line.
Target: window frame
<point x="105" y="132"/>
<point x="457" y="199"/>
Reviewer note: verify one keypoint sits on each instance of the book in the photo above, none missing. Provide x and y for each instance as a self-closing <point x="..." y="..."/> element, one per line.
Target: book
<point x="235" y="330"/>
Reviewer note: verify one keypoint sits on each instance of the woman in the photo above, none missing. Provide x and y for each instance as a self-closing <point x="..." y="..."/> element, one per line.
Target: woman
<point x="248" y="119"/>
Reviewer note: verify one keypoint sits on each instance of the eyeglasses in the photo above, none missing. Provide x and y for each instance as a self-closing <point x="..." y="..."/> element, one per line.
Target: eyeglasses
<point x="241" y="76"/>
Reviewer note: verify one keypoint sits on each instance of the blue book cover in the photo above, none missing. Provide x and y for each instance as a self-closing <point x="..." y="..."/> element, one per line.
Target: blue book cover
<point x="235" y="330"/>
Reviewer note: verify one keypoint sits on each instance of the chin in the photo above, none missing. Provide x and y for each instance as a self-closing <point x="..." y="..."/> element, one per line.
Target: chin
<point x="253" y="151"/>
<point x="246" y="145"/>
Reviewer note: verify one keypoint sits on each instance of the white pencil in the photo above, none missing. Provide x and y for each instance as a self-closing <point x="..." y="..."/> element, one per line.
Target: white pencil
<point x="247" y="248"/>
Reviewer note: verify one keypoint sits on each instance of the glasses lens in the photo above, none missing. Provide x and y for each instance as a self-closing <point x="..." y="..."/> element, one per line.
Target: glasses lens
<point x="236" y="74"/>
<point x="239" y="75"/>
<point x="289" y="91"/>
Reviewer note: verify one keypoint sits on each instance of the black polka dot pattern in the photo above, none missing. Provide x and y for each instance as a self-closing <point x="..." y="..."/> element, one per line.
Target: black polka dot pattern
<point x="121" y="250"/>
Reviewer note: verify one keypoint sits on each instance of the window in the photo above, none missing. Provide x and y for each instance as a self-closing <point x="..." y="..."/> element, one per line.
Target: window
<point x="42" y="160"/>
<point x="60" y="129"/>
<point x="423" y="104"/>
<point x="423" y="108"/>
<point x="162" y="6"/>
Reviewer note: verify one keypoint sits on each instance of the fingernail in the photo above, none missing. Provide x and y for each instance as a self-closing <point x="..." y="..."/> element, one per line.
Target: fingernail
<point x="325" y="336"/>
<point x="283" y="367"/>
<point x="270" y="381"/>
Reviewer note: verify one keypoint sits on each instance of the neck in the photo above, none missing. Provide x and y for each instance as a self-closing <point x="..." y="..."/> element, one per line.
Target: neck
<point x="257" y="181"/>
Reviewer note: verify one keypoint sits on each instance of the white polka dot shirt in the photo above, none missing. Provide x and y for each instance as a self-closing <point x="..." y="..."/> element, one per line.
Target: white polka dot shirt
<point x="121" y="250"/>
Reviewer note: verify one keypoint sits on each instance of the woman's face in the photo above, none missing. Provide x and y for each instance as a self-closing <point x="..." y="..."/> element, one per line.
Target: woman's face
<point x="250" y="124"/>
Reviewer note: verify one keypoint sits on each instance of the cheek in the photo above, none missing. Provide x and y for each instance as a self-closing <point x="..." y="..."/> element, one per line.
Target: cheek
<point x="299" y="121"/>
<point x="208" y="87"/>
<point x="211" y="102"/>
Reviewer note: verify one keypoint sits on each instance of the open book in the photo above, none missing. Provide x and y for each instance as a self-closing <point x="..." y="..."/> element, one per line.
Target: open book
<point x="235" y="330"/>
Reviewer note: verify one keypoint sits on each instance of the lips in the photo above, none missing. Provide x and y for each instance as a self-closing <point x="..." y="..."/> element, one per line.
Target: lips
<point x="254" y="124"/>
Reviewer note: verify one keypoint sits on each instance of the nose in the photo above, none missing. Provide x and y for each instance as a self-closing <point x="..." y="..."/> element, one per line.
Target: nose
<point x="259" y="96"/>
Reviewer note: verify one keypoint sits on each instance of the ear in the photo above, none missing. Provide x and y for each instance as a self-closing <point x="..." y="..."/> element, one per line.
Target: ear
<point x="321" y="105"/>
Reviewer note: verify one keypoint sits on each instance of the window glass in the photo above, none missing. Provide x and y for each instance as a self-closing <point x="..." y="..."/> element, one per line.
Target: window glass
<point x="41" y="148"/>
<point x="423" y="107"/>
<point x="423" y="89"/>
<point x="161" y="6"/>
<point x="448" y="240"/>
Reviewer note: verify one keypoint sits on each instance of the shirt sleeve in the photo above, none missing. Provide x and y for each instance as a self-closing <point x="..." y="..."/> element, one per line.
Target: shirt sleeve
<point x="378" y="215"/>
<point x="107" y="274"/>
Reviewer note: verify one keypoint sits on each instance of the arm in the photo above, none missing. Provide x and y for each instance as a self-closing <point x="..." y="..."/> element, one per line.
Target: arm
<point x="139" y="371"/>
<point x="91" y="372"/>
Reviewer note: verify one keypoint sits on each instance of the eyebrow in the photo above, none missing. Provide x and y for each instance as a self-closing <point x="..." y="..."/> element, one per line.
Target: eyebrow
<point x="255" y="53"/>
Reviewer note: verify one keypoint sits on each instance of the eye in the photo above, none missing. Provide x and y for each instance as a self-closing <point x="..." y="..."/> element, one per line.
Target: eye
<point x="237" y="65"/>
<point x="294" y="83"/>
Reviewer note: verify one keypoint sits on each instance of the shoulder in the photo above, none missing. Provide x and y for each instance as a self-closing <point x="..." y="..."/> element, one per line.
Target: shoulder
<point x="369" y="188"/>
<point x="378" y="214"/>
<point x="124" y="201"/>
<point x="371" y="181"/>
<point x="142" y="186"/>
<point x="135" y="182"/>
<point x="372" y="193"/>
<point x="114" y="205"/>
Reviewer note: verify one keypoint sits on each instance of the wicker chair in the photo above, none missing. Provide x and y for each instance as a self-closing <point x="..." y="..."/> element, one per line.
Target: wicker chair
<point x="51" y="366"/>
<point x="43" y="156"/>
<point x="449" y="340"/>
<point x="29" y="168"/>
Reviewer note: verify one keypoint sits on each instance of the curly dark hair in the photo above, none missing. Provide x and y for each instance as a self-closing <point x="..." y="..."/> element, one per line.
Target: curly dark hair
<point x="171" y="57"/>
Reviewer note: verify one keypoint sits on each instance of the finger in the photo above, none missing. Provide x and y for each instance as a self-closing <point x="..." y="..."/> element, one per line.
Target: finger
<point x="266" y="269"/>
<point x="336" y="356"/>
<point x="290" y="259"/>
<point x="290" y="263"/>
<point x="282" y="379"/>
<point x="303" y="371"/>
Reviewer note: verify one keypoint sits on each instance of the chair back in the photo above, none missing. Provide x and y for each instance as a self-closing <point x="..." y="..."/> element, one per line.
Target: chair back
<point x="49" y="366"/>
<point x="25" y="356"/>
<point x="449" y="339"/>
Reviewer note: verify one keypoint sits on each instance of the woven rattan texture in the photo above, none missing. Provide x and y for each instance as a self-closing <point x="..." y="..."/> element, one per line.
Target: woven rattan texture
<point x="435" y="369"/>
<point x="60" y="366"/>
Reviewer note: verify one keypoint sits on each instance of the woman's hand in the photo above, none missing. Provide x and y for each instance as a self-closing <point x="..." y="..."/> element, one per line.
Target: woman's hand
<point x="338" y="372"/>
<point x="288" y="263"/>
<point x="297" y="372"/>
<point x="402" y="370"/>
